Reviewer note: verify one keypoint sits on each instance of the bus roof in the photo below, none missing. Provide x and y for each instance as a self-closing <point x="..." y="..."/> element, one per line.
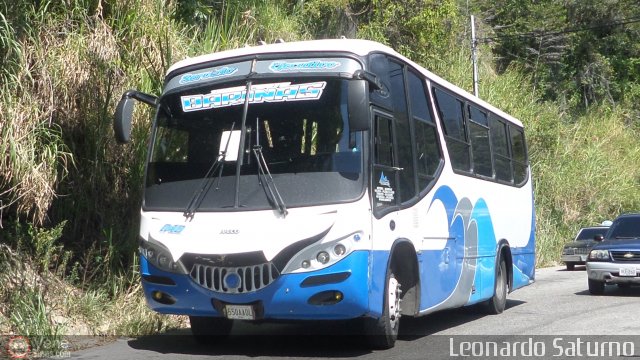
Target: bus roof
<point x="357" y="47"/>
<point x="354" y="46"/>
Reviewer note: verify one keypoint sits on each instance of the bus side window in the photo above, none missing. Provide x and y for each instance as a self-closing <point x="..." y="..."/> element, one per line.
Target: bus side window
<point x="519" y="154"/>
<point x="428" y="156"/>
<point x="451" y="111"/>
<point x="500" y="149"/>
<point x="480" y="147"/>
<point x="383" y="141"/>
<point x="379" y="65"/>
<point x="404" y="148"/>
<point x="384" y="175"/>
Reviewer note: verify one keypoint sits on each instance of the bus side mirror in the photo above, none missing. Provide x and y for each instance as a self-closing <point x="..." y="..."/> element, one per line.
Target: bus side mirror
<point x="122" y="119"/>
<point x="124" y="113"/>
<point x="358" y="106"/>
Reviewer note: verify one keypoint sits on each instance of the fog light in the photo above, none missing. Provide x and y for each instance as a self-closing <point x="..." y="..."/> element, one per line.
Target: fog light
<point x="323" y="257"/>
<point x="330" y="297"/>
<point x="163" y="298"/>
<point x="339" y="249"/>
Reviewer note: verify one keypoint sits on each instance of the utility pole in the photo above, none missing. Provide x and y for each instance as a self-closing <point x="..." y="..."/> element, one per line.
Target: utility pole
<point x="474" y="56"/>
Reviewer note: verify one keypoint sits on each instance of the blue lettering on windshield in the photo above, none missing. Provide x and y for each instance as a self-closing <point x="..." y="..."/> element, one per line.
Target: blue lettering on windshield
<point x="311" y="65"/>
<point x="275" y="92"/>
<point x="212" y="74"/>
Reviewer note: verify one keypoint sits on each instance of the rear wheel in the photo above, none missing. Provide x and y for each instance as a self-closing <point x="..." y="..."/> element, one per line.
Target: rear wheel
<point x="208" y="330"/>
<point x="596" y="287"/>
<point x="571" y="266"/>
<point x="498" y="301"/>
<point x="383" y="332"/>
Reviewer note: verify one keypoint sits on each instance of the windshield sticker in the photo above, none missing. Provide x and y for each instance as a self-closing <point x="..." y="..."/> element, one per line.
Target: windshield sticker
<point x="311" y="65"/>
<point x="384" y="194"/>
<point x="383" y="180"/>
<point x="212" y="74"/>
<point x="275" y="92"/>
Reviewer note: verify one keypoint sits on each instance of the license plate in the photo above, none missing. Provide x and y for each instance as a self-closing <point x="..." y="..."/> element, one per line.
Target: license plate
<point x="627" y="271"/>
<point x="240" y="312"/>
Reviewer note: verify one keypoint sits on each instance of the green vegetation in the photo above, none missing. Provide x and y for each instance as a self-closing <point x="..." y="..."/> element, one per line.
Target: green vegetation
<point x="70" y="197"/>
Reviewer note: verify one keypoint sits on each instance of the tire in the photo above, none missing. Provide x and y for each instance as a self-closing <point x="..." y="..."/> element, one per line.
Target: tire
<point x="596" y="287"/>
<point x="571" y="266"/>
<point x="209" y="330"/>
<point x="498" y="301"/>
<point x="382" y="332"/>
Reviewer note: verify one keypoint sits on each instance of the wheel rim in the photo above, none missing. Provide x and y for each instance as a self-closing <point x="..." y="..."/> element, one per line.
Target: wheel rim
<point x="393" y="302"/>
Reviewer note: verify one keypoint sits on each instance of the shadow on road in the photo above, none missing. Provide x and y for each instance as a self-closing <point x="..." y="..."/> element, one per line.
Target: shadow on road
<point x="614" y="290"/>
<point x="315" y="339"/>
<point x="577" y="268"/>
<point x="414" y="328"/>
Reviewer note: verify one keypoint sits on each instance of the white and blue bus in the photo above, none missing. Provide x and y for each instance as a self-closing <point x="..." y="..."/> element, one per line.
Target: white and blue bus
<point x="327" y="180"/>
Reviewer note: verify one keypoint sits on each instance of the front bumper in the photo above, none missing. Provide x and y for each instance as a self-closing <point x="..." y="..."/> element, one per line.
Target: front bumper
<point x="576" y="259"/>
<point x="609" y="272"/>
<point x="286" y="298"/>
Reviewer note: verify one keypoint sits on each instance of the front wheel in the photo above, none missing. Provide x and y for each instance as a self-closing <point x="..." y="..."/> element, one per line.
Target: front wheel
<point x="208" y="330"/>
<point x="498" y="301"/>
<point x="596" y="287"/>
<point x="383" y="332"/>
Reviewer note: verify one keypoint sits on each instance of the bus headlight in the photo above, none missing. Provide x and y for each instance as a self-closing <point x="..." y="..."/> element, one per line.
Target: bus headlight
<point x="339" y="250"/>
<point x="321" y="255"/>
<point x="160" y="257"/>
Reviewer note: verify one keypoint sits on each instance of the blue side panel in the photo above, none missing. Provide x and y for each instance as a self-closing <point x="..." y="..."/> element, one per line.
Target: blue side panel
<point x="486" y="253"/>
<point x="524" y="259"/>
<point x="523" y="270"/>
<point x="463" y="273"/>
<point x="440" y="269"/>
<point x="379" y="263"/>
<point x="484" y="280"/>
<point x="285" y="298"/>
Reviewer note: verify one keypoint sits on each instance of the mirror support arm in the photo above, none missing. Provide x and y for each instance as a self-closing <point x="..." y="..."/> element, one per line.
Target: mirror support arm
<point x="140" y="96"/>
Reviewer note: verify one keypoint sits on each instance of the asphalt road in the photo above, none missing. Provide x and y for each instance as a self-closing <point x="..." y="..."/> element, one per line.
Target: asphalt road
<point x="554" y="318"/>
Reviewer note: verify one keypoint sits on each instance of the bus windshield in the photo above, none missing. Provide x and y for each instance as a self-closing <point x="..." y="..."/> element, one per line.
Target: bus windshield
<point x="299" y="123"/>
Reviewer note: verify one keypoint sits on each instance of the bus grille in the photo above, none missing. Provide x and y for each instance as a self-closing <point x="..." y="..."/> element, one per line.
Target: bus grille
<point x="234" y="280"/>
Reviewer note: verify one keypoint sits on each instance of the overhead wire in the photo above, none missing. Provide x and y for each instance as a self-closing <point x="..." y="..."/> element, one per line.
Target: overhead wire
<point x="559" y="32"/>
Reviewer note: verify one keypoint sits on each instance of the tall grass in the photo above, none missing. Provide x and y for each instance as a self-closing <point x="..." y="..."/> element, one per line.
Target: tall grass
<point x="69" y="196"/>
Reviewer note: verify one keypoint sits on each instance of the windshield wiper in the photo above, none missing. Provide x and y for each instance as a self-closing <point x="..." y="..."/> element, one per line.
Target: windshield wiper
<point x="626" y="237"/>
<point x="266" y="180"/>
<point x="205" y="184"/>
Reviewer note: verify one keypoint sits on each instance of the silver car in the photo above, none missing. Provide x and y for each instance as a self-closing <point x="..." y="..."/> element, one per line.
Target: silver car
<point x="576" y="252"/>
